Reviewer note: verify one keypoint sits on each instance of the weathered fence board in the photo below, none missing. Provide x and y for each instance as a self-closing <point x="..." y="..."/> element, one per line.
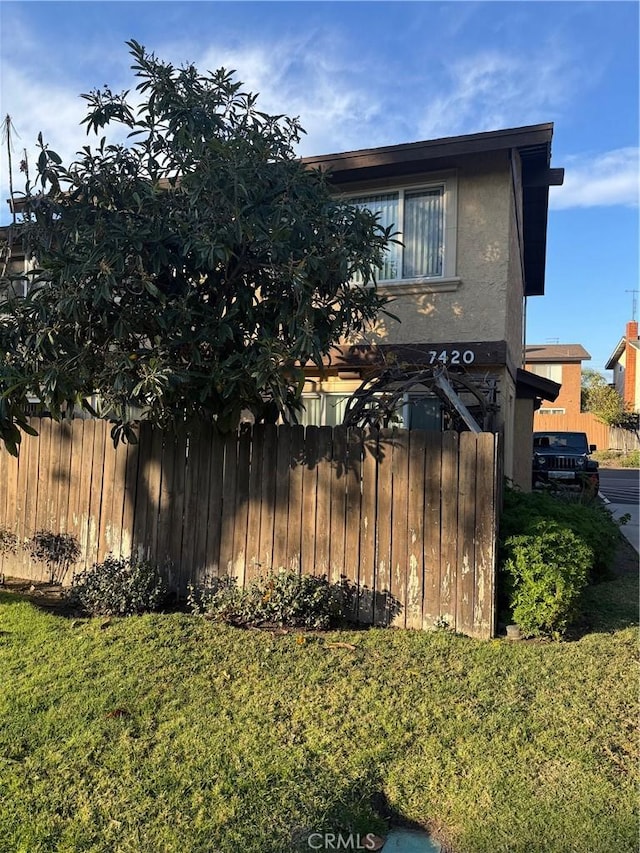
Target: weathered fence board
<point x="323" y="501"/>
<point x="407" y="519"/>
<point x="415" y="533"/>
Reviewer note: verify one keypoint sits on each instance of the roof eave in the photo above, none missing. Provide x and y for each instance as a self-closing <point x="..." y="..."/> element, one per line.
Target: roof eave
<point x="533" y="387"/>
<point x="533" y="143"/>
<point x="529" y="136"/>
<point x="614" y="358"/>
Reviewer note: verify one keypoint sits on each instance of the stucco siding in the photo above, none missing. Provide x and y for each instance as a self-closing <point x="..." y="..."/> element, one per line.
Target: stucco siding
<point x="474" y="306"/>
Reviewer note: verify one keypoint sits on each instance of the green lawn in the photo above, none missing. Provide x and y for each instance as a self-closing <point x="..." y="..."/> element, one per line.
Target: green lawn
<point x="167" y="733"/>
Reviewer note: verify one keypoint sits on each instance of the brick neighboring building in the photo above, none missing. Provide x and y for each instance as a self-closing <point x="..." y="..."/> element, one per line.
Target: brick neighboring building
<point x="623" y="362"/>
<point x="561" y="363"/>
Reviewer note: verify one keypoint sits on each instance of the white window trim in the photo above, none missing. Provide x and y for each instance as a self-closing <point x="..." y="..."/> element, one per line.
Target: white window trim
<point x="548" y="370"/>
<point x="449" y="280"/>
<point x="325" y="400"/>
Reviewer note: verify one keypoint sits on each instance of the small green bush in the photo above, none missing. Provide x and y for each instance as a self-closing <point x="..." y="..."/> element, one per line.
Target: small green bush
<point x="622" y="459"/>
<point x="58" y="550"/>
<point x="218" y="599"/>
<point x="118" y="587"/>
<point x="590" y="521"/>
<point x="547" y="571"/>
<point x="631" y="459"/>
<point x="284" y="599"/>
<point x="297" y="600"/>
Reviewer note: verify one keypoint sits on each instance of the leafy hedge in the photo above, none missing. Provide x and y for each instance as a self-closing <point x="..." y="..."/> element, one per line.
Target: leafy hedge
<point x="591" y="522"/>
<point x="119" y="587"/>
<point x="547" y="572"/>
<point x="284" y="599"/>
<point x="550" y="549"/>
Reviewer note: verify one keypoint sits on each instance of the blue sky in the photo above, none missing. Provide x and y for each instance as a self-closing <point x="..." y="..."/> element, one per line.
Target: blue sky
<point x="366" y="74"/>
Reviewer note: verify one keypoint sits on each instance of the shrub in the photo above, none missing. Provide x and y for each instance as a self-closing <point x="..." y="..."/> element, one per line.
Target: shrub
<point x="57" y="550"/>
<point x="547" y="570"/>
<point x="631" y="459"/>
<point x="219" y="599"/>
<point x="119" y="586"/>
<point x="284" y="599"/>
<point x="541" y="578"/>
<point x="295" y="600"/>
<point x="591" y="522"/>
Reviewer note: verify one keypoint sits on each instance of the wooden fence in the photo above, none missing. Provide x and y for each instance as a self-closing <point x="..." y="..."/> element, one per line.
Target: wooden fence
<point x="598" y="433"/>
<point x="409" y="518"/>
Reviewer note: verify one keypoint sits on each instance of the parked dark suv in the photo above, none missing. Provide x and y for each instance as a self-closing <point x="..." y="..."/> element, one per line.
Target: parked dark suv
<point x="562" y="459"/>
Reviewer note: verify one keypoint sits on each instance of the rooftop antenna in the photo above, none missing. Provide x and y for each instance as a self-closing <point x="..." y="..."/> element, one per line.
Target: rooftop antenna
<point x="634" y="303"/>
<point x="553" y="340"/>
<point x="8" y="128"/>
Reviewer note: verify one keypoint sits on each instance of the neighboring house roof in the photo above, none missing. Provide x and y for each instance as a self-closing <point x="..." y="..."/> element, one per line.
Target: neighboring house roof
<point x="614" y="358"/>
<point x="533" y="144"/>
<point x="549" y="353"/>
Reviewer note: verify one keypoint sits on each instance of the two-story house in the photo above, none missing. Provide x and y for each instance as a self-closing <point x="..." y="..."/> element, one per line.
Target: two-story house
<point x="471" y="214"/>
<point x="562" y="363"/>
<point x="626" y="378"/>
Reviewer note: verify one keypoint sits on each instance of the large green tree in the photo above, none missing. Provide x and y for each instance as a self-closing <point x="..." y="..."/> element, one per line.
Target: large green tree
<point x="605" y="402"/>
<point x="188" y="272"/>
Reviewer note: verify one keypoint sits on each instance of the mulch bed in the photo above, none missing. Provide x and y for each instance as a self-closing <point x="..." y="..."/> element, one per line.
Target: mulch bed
<point x="47" y="596"/>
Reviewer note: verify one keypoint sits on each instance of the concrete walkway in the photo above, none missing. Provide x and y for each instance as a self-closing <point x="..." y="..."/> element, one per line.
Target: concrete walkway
<point x="631" y="529"/>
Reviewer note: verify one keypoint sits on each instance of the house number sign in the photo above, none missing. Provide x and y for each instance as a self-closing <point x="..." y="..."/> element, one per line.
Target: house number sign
<point x="451" y="356"/>
<point x="431" y="353"/>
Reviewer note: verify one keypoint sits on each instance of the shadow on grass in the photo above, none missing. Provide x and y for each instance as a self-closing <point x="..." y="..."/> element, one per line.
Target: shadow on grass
<point x="44" y="596"/>
<point x="609" y="606"/>
<point x="358" y="821"/>
<point x="613" y="604"/>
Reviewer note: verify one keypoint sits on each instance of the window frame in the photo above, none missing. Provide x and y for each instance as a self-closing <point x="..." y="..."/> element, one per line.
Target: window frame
<point x="553" y="370"/>
<point x="324" y="401"/>
<point x="448" y="182"/>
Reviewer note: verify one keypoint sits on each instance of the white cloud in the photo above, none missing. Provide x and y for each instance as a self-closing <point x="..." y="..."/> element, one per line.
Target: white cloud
<point x="305" y="77"/>
<point x="344" y="100"/>
<point x="38" y="105"/>
<point x="497" y="89"/>
<point x="599" y="180"/>
<point x="300" y="77"/>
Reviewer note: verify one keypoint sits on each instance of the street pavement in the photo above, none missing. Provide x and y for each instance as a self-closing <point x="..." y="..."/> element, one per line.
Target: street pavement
<point x="632" y="528"/>
<point x="619" y="488"/>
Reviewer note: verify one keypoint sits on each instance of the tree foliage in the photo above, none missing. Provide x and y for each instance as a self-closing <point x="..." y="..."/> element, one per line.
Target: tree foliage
<point x="188" y="272"/>
<point x="605" y="402"/>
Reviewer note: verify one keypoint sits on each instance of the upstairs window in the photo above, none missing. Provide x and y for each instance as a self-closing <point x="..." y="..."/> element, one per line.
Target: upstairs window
<point x="547" y="371"/>
<point x="424" y="219"/>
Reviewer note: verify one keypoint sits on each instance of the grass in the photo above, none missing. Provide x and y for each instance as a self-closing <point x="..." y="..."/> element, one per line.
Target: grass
<point x="166" y="733"/>
<point x="617" y="458"/>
